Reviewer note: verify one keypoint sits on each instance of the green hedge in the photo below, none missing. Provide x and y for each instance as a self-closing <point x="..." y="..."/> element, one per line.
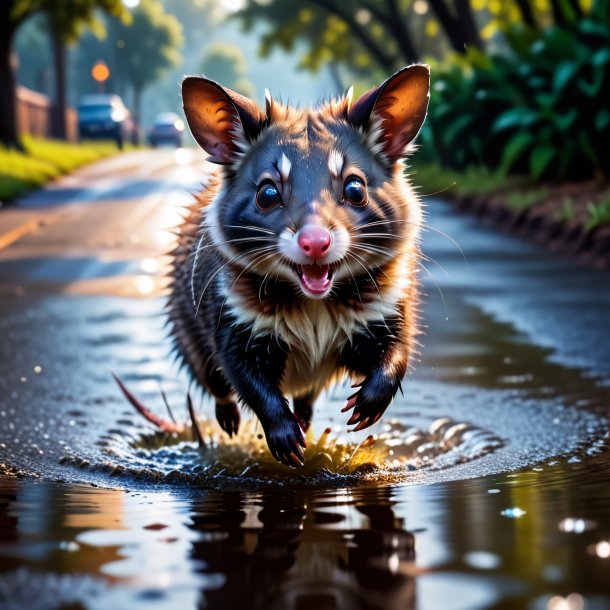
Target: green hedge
<point x="540" y="108"/>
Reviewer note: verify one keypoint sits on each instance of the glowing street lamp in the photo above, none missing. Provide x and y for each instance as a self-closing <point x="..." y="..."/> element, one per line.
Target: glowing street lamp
<point x="100" y="73"/>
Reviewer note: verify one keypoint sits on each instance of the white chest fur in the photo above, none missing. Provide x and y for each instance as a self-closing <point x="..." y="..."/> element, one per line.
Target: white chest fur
<point x="315" y="333"/>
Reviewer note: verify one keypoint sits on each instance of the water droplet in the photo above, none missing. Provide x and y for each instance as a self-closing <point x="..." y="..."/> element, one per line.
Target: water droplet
<point x="601" y="549"/>
<point x="513" y="513"/>
<point x="69" y="545"/>
<point x="482" y="560"/>
<point x="574" y="601"/>
<point x="576" y="526"/>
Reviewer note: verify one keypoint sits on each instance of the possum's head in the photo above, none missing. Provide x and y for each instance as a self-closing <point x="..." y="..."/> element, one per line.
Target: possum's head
<point x="315" y="196"/>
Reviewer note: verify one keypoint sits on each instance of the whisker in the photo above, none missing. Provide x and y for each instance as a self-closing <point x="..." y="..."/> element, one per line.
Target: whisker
<point x="234" y="241"/>
<point x="436" y="284"/>
<point x="257" y="260"/>
<point x="425" y="227"/>
<point x="361" y="259"/>
<point x="230" y="261"/>
<point x="349" y="269"/>
<point x="248" y="227"/>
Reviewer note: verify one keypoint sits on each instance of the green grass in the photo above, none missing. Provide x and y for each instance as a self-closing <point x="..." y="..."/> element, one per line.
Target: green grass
<point x="566" y="213"/>
<point x="598" y="214"/>
<point x="44" y="160"/>
<point x="474" y="181"/>
<point x="518" y="193"/>
<point x="521" y="200"/>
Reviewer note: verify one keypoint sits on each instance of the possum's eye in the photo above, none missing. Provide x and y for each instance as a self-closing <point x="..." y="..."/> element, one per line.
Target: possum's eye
<point x="354" y="191"/>
<point x="268" y="197"/>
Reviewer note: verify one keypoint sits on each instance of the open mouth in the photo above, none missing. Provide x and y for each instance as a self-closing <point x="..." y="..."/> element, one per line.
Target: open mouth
<point x="315" y="279"/>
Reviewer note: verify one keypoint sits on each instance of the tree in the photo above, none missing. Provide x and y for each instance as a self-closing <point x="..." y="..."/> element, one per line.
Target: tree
<point x="359" y="32"/>
<point x="225" y="62"/>
<point x="66" y="19"/>
<point x="148" y="46"/>
<point x="387" y="34"/>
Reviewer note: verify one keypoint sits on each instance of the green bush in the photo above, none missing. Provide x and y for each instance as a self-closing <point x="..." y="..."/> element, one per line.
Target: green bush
<point x="541" y="108"/>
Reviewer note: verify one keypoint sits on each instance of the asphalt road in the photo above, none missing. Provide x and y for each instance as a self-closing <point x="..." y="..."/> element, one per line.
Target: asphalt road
<point x="501" y="317"/>
<point x="97" y="223"/>
<point x="517" y="345"/>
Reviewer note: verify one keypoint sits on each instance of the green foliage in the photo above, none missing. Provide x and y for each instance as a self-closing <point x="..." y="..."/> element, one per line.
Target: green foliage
<point x="526" y="198"/>
<point x="147" y="46"/>
<point x="541" y="109"/>
<point x="68" y="18"/>
<point x="432" y="179"/>
<point x="566" y="213"/>
<point x="42" y="161"/>
<point x="338" y="31"/>
<point x="598" y="214"/>
<point x="225" y="62"/>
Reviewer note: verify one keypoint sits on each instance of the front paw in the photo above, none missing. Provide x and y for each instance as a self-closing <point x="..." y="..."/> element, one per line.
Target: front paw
<point x="370" y="401"/>
<point x="228" y="417"/>
<point x="286" y="441"/>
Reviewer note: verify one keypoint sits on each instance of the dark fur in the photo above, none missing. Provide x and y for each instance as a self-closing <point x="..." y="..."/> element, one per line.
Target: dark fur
<point x="239" y="319"/>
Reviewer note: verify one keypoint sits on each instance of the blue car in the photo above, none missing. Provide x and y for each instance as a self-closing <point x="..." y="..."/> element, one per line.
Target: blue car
<point x="104" y="117"/>
<point x="167" y="129"/>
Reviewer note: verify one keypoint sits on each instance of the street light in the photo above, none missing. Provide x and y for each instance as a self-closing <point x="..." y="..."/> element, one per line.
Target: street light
<point x="100" y="73"/>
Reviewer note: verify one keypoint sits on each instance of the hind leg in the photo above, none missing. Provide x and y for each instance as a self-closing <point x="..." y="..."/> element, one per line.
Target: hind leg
<point x="303" y="409"/>
<point x="227" y="411"/>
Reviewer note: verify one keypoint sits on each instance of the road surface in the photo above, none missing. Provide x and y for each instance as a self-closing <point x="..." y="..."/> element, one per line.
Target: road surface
<point x="517" y="349"/>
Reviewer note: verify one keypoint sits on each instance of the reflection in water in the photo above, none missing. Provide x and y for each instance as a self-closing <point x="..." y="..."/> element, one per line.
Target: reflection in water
<point x="295" y="553"/>
<point x="278" y="550"/>
<point x="291" y="549"/>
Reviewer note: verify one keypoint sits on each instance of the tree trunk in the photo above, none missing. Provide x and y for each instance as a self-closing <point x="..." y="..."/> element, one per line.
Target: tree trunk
<point x="450" y="25"/>
<point x="527" y="14"/>
<point x="578" y="12"/>
<point x="397" y="25"/>
<point x="558" y="15"/>
<point x="467" y="25"/>
<point x="60" y="106"/>
<point x="9" y="135"/>
<point x="137" y="109"/>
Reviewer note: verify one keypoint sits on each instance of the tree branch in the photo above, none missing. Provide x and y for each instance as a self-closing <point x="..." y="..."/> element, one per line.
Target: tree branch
<point x="383" y="59"/>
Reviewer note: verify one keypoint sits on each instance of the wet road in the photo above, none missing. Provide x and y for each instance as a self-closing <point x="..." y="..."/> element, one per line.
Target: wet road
<point x="514" y="515"/>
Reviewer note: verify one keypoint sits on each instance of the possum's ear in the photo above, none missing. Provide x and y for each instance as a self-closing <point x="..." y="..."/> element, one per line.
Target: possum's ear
<point x="222" y="121"/>
<point x="392" y="114"/>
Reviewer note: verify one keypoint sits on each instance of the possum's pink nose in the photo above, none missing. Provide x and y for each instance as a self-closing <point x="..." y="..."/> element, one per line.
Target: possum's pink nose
<point x="314" y="241"/>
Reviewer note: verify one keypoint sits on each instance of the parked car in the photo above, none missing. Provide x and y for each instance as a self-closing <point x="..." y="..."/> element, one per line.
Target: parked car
<point x="167" y="128"/>
<point x="103" y="117"/>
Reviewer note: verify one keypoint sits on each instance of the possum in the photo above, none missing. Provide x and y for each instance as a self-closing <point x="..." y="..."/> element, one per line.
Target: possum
<point x="296" y="266"/>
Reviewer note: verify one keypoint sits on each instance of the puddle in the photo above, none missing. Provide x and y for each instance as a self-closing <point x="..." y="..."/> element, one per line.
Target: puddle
<point x="330" y="459"/>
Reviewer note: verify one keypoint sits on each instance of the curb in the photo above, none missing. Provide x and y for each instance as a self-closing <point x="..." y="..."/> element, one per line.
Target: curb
<point x="569" y="238"/>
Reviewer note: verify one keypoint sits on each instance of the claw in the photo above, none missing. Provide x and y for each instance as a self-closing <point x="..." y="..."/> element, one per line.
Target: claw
<point x="354" y="418"/>
<point x="296" y="458"/>
<point x="351" y="401"/>
<point x="228" y="417"/>
<point x="162" y="424"/>
<point x="363" y="424"/>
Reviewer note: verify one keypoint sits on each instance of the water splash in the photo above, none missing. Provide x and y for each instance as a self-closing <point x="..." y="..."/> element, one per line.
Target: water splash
<point x="396" y="453"/>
